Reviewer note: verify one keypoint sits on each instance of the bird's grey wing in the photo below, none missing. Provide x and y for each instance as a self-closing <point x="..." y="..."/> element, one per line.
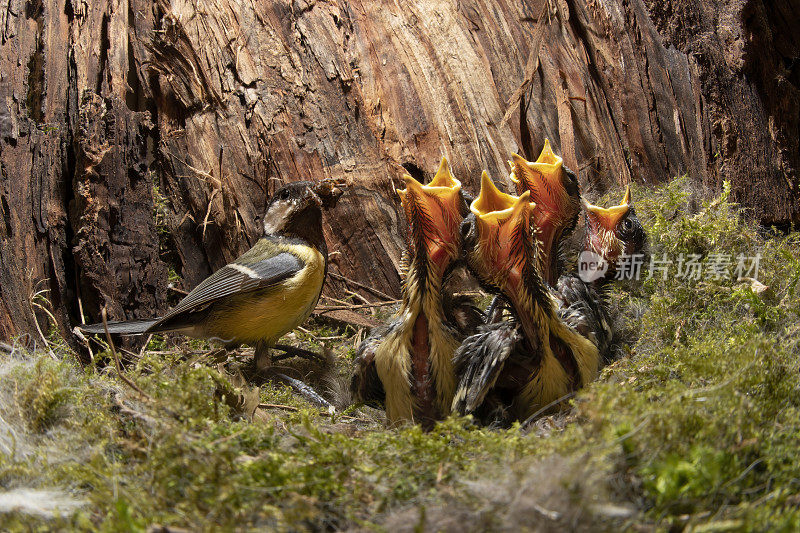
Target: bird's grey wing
<point x="478" y="363"/>
<point x="230" y="280"/>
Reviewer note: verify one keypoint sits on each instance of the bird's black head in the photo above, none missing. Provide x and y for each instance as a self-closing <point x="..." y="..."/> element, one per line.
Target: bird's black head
<point x="632" y="233"/>
<point x="295" y="210"/>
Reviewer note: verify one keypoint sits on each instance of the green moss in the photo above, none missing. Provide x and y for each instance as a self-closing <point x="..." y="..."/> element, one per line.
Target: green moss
<point x="160" y="207"/>
<point x="43" y="400"/>
<point x="697" y="427"/>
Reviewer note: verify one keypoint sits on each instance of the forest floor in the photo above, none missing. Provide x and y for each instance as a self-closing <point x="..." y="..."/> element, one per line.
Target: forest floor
<point x="695" y="426"/>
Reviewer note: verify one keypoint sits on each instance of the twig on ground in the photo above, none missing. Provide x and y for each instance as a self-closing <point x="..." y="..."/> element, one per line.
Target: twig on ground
<point x="175" y="289"/>
<point x="374" y="291"/>
<point x="307" y="332"/>
<point x="337" y="300"/>
<point x="323" y="308"/>
<point x="533" y="417"/>
<point x="294" y="351"/>
<point x="362" y="299"/>
<point x="295" y="409"/>
<point x="278" y="406"/>
<point x="332" y="338"/>
<point x="144" y="346"/>
<point x="357" y="296"/>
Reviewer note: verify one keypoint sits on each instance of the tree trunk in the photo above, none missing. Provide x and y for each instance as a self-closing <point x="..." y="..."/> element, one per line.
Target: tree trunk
<point x="748" y="56"/>
<point x="140" y="137"/>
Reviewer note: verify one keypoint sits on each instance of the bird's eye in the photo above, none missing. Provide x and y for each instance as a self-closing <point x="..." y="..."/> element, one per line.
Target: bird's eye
<point x="627" y="225"/>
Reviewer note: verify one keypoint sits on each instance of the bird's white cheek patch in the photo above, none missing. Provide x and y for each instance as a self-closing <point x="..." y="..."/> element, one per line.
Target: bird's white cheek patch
<point x="278" y="214"/>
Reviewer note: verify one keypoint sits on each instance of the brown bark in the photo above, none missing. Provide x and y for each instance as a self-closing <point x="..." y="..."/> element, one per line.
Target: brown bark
<point x="76" y="195"/>
<point x="218" y="101"/>
<point x="748" y="56"/>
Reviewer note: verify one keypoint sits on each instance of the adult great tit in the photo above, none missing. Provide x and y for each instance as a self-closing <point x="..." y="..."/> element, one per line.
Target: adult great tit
<point x="266" y="292"/>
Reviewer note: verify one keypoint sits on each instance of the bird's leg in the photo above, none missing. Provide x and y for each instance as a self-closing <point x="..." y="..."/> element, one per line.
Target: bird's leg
<point x="293" y="351"/>
<point x="262" y="357"/>
<point x="495" y="311"/>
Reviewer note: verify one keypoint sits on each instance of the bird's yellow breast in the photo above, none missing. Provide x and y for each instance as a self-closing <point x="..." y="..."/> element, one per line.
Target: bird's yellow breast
<point x="266" y="315"/>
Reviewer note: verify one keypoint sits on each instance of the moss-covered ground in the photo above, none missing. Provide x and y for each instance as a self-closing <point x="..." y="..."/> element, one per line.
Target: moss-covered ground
<point x="696" y="426"/>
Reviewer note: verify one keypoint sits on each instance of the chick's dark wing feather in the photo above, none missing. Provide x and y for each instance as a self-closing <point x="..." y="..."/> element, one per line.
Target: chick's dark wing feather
<point x="584" y="310"/>
<point x="365" y="384"/>
<point x="479" y="361"/>
<point x="235" y="278"/>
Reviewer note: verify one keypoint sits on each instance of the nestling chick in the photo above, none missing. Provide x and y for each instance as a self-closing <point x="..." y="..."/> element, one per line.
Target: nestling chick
<point x="608" y="234"/>
<point x="554" y="190"/>
<point x="407" y="364"/>
<point x="613" y="232"/>
<point x="533" y="367"/>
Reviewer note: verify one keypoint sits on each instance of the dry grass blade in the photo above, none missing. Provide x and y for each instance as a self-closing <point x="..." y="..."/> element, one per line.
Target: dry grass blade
<point x="528" y="421"/>
<point x="358" y="297"/>
<point x="322" y="308"/>
<point x="122" y="376"/>
<point x="278" y="406"/>
<point x="39" y="294"/>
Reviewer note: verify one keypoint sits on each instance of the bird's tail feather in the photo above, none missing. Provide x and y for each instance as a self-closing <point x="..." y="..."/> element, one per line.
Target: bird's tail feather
<point x="125" y="327"/>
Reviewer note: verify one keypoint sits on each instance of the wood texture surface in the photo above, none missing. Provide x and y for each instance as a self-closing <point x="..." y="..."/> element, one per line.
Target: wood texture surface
<point x="217" y="102"/>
